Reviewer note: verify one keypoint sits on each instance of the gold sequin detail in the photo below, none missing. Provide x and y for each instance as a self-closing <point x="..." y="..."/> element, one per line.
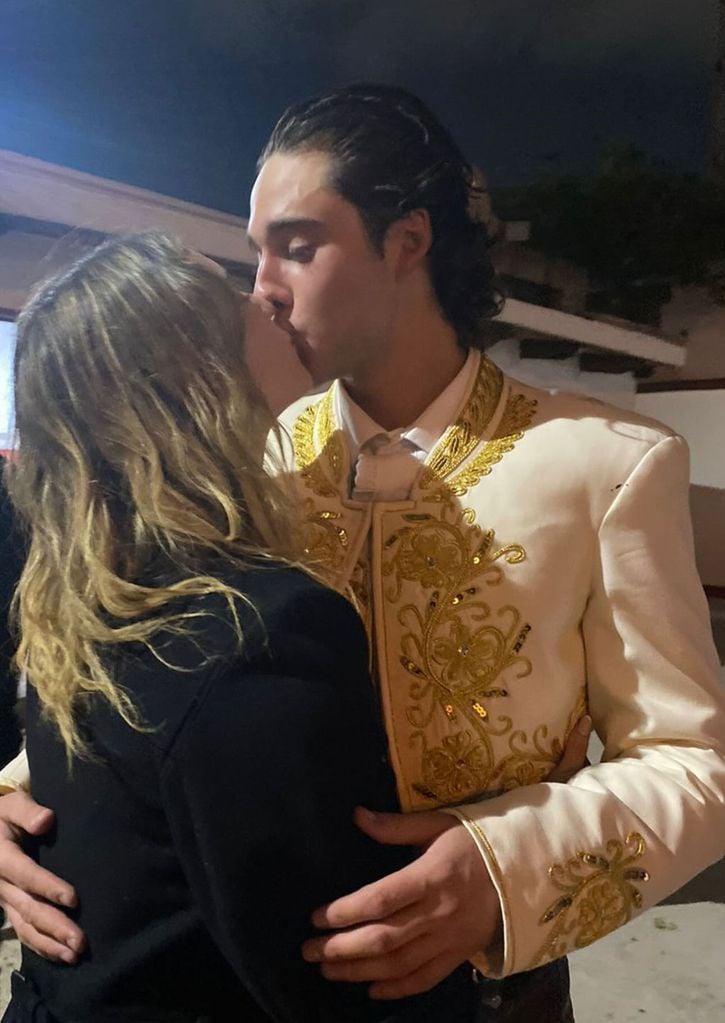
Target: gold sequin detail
<point x="598" y="895"/>
<point x="455" y="646"/>
<point x="456" y="643"/>
<point x="325" y="540"/>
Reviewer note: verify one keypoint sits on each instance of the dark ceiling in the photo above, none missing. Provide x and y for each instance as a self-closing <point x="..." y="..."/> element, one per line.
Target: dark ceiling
<point x="178" y="95"/>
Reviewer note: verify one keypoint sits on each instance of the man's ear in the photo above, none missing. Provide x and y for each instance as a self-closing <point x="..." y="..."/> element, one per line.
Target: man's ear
<point x="408" y="240"/>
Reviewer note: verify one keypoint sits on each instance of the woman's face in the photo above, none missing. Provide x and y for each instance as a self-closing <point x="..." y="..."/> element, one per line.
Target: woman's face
<point x="272" y="360"/>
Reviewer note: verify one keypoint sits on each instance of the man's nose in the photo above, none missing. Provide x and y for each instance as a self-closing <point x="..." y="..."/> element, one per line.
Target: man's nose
<point x="271" y="290"/>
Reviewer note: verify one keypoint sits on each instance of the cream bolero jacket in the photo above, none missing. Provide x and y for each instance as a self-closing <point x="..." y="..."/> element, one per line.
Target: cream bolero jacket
<point x="543" y="567"/>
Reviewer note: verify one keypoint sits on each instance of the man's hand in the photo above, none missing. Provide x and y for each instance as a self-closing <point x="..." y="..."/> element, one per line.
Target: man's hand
<point x="27" y="890"/>
<point x="410" y="930"/>
<point x="574" y="757"/>
<point x="413" y="928"/>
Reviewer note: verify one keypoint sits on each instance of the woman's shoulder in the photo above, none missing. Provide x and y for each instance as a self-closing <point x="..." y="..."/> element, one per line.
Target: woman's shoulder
<point x="271" y="597"/>
<point x="272" y="620"/>
<point x="285" y="613"/>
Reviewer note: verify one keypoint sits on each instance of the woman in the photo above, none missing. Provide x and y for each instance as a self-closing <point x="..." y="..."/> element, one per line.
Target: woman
<point x="200" y="713"/>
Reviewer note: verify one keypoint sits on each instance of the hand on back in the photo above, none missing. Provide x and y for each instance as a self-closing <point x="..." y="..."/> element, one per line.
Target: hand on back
<point x="29" y="894"/>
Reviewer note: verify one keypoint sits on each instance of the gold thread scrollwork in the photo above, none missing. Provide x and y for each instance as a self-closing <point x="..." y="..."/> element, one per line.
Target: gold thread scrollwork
<point x="516" y="417"/>
<point x="598" y="895"/>
<point x="325" y="539"/>
<point x="461" y="439"/>
<point x="455" y="647"/>
<point x="319" y="449"/>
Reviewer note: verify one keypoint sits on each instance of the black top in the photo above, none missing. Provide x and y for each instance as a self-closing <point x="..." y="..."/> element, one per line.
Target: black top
<point x="200" y="849"/>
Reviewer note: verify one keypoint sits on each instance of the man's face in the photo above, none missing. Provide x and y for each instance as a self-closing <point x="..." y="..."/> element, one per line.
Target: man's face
<point x="333" y="292"/>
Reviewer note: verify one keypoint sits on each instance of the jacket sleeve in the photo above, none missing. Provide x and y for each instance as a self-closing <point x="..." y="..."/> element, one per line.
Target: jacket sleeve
<point x="573" y="862"/>
<point x="260" y="788"/>
<point x="15" y="775"/>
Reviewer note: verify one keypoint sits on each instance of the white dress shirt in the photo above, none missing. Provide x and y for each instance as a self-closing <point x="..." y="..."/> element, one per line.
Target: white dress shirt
<point x="387" y="462"/>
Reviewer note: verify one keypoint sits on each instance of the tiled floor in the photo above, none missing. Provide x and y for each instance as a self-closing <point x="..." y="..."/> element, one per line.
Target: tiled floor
<point x="9" y="958"/>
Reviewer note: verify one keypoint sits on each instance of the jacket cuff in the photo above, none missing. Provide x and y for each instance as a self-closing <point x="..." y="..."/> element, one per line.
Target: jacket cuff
<point x="15" y="775"/>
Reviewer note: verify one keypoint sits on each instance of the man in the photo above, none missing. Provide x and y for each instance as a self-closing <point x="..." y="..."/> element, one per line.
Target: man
<point x="519" y="558"/>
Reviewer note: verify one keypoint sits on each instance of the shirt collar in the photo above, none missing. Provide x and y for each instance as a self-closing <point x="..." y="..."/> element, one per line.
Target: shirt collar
<point x="427" y="429"/>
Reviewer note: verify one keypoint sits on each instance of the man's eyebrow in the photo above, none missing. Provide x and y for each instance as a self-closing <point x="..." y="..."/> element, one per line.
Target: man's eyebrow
<point x="285" y="225"/>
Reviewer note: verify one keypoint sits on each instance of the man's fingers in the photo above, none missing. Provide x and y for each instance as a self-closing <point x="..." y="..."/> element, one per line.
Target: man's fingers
<point x="373" y="902"/>
<point x="40" y="917"/>
<point x="403" y="829"/>
<point x="38" y="942"/>
<point x="368" y="941"/>
<point x="23" y="814"/>
<point x="396" y="965"/>
<point x="575" y="754"/>
<point x="423" y="979"/>
<point x="21" y="872"/>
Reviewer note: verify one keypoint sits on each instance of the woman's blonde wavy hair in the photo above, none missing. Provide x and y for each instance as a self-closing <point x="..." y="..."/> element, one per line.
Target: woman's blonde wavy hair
<point x="141" y="439"/>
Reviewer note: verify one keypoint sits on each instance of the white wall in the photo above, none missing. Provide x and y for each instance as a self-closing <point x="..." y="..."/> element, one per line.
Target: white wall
<point x="700" y="417"/>
<point x="7" y="346"/>
<point x="693" y="316"/>
<point x="564" y="375"/>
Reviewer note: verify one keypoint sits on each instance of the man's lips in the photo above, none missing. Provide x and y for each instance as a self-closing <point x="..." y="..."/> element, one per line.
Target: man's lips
<point x="295" y="337"/>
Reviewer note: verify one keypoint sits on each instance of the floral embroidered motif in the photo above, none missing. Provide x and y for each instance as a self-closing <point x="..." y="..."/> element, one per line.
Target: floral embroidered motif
<point x="455" y="647"/>
<point x="527" y="762"/>
<point x="460" y="655"/>
<point x="430" y="558"/>
<point x="599" y="895"/>
<point x="460" y="651"/>
<point x="453" y="770"/>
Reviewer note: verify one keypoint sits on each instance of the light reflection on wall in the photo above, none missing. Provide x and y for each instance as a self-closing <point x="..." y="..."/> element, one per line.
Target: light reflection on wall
<point x="7" y="347"/>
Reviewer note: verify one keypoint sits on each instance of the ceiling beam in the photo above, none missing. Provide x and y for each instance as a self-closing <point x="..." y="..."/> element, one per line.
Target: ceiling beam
<point x="41" y="191"/>
<point x="591" y="332"/>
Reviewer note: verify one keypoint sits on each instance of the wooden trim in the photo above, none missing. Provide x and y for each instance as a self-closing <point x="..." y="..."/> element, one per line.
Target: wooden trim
<point x="12" y="301"/>
<point x="38" y="190"/>
<point x="718" y="592"/>
<point x="653" y="386"/>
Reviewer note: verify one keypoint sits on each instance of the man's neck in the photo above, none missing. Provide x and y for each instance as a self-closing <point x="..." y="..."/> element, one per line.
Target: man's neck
<point x="421" y="363"/>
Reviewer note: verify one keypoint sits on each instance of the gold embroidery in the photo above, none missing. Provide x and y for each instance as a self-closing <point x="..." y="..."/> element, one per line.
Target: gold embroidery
<point x="516" y="418"/>
<point x="320" y="459"/>
<point x="319" y="449"/>
<point x="598" y="896"/>
<point x="325" y="540"/>
<point x="463" y="437"/>
<point x="455" y="647"/>
<point x="360" y="586"/>
<point x="461" y="657"/>
<point x="527" y="762"/>
<point x="453" y="770"/>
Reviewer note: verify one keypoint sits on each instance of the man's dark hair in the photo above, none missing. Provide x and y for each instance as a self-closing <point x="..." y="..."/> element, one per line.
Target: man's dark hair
<point x="389" y="156"/>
